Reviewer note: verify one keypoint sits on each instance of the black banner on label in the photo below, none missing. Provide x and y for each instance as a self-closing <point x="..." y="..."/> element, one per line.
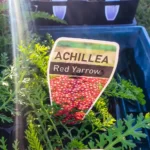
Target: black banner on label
<point x="80" y="69"/>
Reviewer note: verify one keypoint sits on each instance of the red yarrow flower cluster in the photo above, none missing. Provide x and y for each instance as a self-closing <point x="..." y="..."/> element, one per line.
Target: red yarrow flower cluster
<point x="75" y="95"/>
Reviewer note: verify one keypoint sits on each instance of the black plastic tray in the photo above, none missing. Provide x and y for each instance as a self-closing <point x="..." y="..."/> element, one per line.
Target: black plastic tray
<point x="82" y="12"/>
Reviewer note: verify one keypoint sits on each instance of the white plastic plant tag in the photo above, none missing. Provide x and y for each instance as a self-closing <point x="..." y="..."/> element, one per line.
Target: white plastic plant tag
<point x="79" y="71"/>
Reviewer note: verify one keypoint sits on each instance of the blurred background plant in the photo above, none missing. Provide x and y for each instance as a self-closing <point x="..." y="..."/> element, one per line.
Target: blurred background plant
<point x="5" y="35"/>
<point x="143" y="14"/>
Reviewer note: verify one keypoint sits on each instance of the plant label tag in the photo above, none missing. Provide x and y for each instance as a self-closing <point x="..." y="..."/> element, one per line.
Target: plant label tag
<point x="79" y="70"/>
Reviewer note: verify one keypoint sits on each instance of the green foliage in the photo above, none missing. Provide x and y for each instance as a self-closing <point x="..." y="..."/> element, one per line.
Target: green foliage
<point x="101" y="117"/>
<point x="3" y="145"/>
<point x="147" y="115"/>
<point x="31" y="136"/>
<point x="35" y="91"/>
<point x="119" y="89"/>
<point x="4" y="118"/>
<point x="6" y="87"/>
<point x="47" y="16"/>
<point x="119" y="134"/>
<point x="125" y="89"/>
<point x="15" y="145"/>
<point x="143" y="14"/>
<point x="102" y="107"/>
<point x="38" y="56"/>
<point x="5" y="35"/>
<point x="44" y="123"/>
<point x="4" y="59"/>
<point x="75" y="144"/>
<point x="48" y="41"/>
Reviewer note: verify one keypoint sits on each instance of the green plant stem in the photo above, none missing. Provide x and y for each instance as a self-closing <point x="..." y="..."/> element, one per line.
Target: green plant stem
<point x="55" y="128"/>
<point x="8" y="74"/>
<point x="6" y="77"/>
<point x="89" y="135"/>
<point x="6" y="102"/>
<point x="71" y="137"/>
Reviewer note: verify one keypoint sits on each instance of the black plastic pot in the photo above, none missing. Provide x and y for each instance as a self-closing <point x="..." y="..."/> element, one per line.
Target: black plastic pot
<point x="90" y="12"/>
